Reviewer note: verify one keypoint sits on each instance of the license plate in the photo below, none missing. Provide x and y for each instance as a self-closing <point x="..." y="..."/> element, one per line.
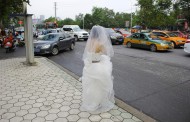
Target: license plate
<point x="36" y="50"/>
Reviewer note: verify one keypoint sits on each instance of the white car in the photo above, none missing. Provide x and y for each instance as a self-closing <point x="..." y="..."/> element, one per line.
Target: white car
<point x="187" y="46"/>
<point x="76" y="32"/>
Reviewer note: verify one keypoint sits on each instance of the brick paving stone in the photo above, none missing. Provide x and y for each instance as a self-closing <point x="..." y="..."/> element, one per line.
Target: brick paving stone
<point x="115" y="112"/>
<point x="74" y="111"/>
<point x="75" y="106"/>
<point x="42" y="113"/>
<point x="4" y="120"/>
<point x="23" y="99"/>
<point x="38" y="119"/>
<point x="26" y="107"/>
<point x="53" y="111"/>
<point x="51" y="117"/>
<point x="95" y="118"/>
<point x="3" y="111"/>
<point x="37" y="105"/>
<point x="73" y="118"/>
<point x="30" y="102"/>
<point x="83" y="120"/>
<point x="33" y="110"/>
<point x="44" y="93"/>
<point x="29" y="116"/>
<point x="129" y="120"/>
<point x="84" y="114"/>
<point x="14" y="109"/>
<point x="105" y="115"/>
<point x="16" y="119"/>
<point x="56" y="105"/>
<point x="3" y="102"/>
<point x="63" y="114"/>
<point x="65" y="108"/>
<point x="7" y="106"/>
<point x="8" y="115"/>
<point x="34" y="97"/>
<point x="21" y="113"/>
<point x="12" y="101"/>
<point x="61" y="120"/>
<point x="126" y="115"/>
<point x="40" y="100"/>
<point x="45" y="107"/>
<point x="106" y="120"/>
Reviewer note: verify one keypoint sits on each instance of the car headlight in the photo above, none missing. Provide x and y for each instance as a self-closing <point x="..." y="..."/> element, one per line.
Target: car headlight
<point x="45" y="46"/>
<point x="162" y="44"/>
<point x="113" y="37"/>
<point x="179" y="41"/>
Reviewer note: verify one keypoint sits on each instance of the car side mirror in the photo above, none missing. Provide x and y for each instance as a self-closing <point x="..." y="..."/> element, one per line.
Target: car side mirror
<point x="166" y="36"/>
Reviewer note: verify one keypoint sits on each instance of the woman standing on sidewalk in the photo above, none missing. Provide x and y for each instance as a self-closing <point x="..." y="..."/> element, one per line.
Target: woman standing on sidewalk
<point x="97" y="80"/>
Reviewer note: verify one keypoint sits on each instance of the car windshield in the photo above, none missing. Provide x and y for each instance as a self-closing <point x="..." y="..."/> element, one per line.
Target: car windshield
<point x="172" y="34"/>
<point x="110" y="30"/>
<point x="153" y="37"/>
<point x="50" y="37"/>
<point x="76" y="29"/>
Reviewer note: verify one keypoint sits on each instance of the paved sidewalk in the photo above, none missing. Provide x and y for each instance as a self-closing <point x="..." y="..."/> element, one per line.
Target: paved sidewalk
<point x="45" y="93"/>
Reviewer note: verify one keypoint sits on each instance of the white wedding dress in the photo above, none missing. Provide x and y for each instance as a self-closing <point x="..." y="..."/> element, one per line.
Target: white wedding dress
<point x="97" y="84"/>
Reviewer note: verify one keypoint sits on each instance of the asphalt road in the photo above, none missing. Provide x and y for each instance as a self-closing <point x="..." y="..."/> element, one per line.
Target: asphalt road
<point x="157" y="84"/>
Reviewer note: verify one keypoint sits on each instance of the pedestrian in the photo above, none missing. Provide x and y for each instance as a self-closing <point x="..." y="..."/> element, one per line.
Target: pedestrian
<point x="97" y="79"/>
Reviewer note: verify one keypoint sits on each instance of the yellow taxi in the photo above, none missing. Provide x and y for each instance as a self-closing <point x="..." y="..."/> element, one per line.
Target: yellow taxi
<point x="170" y="37"/>
<point x="148" y="41"/>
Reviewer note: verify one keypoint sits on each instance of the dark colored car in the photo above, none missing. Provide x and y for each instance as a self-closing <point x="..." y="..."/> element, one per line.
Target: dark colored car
<point x="116" y="38"/>
<point x="54" y="42"/>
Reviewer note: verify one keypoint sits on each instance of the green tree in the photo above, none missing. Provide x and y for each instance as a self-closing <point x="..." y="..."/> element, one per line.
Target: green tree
<point x="103" y="16"/>
<point x="8" y="7"/>
<point x="69" y="21"/>
<point x="182" y="7"/>
<point x="50" y="19"/>
<point x="155" y="13"/>
<point x="79" y="19"/>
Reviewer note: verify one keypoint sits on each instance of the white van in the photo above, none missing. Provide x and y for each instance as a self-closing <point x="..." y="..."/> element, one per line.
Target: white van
<point x="76" y="32"/>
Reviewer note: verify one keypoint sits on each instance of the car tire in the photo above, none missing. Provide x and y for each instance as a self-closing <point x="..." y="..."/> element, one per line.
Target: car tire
<point x="153" y="48"/>
<point x="72" y="46"/>
<point x="7" y="50"/>
<point x="128" y="45"/>
<point x="55" y="50"/>
<point x="174" y="44"/>
<point x="76" y="38"/>
<point x="85" y="39"/>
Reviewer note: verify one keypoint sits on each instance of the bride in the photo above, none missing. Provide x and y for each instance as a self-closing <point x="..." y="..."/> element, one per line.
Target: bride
<point x="97" y="80"/>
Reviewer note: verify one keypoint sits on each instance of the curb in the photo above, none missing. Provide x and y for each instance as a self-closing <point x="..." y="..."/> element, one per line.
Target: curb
<point x="119" y="102"/>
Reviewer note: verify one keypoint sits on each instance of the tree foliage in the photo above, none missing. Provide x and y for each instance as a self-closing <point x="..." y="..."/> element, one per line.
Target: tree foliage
<point x="8" y="7"/>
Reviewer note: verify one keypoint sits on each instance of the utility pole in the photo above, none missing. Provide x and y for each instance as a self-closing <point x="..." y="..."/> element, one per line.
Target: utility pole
<point x="55" y="11"/>
<point x="131" y="16"/>
<point x="28" y="36"/>
<point x="83" y="22"/>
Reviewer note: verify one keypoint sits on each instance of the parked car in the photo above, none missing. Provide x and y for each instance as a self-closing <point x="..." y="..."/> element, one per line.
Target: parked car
<point x="54" y="42"/>
<point x="181" y="34"/>
<point x="147" y="41"/>
<point x="170" y="37"/>
<point x="123" y="32"/>
<point x="76" y="32"/>
<point x="187" y="46"/>
<point x="116" y="38"/>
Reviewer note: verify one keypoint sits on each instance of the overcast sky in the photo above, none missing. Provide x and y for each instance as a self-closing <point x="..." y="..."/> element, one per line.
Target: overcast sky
<point x="70" y="8"/>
